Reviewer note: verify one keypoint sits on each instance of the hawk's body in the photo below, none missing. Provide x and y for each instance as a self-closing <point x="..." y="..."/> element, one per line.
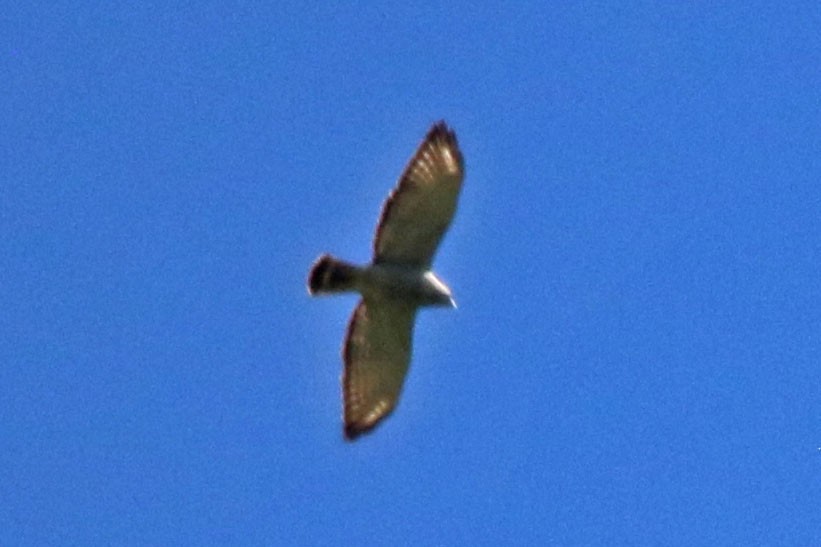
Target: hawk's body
<point x="398" y="281"/>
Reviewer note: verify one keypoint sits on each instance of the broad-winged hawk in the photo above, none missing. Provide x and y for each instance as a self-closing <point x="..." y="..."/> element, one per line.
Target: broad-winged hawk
<point x="377" y="346"/>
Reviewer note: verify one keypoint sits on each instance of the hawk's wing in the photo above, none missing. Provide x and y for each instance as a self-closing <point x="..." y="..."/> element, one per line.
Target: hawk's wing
<point x="377" y="352"/>
<point x="418" y="211"/>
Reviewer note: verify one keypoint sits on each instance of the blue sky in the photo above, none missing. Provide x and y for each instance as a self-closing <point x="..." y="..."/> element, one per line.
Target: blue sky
<point x="636" y="258"/>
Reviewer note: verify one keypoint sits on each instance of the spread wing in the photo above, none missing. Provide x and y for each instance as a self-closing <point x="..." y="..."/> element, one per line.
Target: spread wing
<point x="418" y="211"/>
<point x="377" y="352"/>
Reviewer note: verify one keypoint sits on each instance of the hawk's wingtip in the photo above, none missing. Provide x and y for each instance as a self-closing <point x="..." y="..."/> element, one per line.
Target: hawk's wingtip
<point x="440" y="127"/>
<point x="350" y="432"/>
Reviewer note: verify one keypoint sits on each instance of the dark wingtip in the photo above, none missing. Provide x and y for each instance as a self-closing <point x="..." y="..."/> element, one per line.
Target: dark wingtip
<point x="353" y="431"/>
<point x="441" y="133"/>
<point x="441" y="129"/>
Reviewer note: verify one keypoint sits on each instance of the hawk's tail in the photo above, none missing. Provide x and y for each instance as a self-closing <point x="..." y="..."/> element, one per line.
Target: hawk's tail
<point x="329" y="274"/>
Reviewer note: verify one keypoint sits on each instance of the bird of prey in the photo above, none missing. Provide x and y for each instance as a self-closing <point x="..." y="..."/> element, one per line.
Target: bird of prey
<point x="377" y="346"/>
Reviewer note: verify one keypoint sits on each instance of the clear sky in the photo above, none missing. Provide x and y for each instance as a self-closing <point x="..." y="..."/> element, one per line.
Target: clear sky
<point x="636" y="356"/>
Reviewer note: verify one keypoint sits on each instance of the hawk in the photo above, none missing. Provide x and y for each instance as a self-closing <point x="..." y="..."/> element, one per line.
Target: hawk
<point x="398" y="281"/>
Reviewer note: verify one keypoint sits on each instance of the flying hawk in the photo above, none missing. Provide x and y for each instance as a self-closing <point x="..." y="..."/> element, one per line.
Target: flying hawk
<point x="377" y="346"/>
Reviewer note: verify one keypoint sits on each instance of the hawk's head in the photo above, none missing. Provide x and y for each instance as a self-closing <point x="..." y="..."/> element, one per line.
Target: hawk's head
<point x="437" y="293"/>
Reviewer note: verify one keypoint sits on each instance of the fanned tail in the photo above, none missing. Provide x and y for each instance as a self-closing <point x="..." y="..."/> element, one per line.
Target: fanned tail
<point x="331" y="275"/>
